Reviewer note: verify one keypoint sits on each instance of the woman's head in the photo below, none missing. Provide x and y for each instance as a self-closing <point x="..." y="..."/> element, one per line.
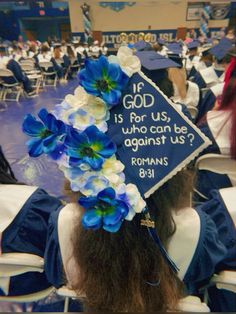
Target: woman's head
<point x="125" y="271"/>
<point x="44" y="48"/>
<point x="6" y="174"/>
<point x="179" y="78"/>
<point x="57" y="52"/>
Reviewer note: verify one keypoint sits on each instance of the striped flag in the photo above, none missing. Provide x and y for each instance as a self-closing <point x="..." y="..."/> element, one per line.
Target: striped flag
<point x="87" y="21"/>
<point x="204" y="19"/>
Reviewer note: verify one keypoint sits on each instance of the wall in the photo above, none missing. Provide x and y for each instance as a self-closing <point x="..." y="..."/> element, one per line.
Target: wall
<point x="159" y="15"/>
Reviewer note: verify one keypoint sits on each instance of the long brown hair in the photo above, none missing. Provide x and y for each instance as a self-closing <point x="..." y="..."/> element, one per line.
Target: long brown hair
<point x="125" y="271"/>
<point x="178" y="78"/>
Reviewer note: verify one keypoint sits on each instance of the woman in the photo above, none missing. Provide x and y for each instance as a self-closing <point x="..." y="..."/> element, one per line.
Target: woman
<point x="132" y="272"/>
<point x="185" y="92"/>
<point x="220" y="126"/>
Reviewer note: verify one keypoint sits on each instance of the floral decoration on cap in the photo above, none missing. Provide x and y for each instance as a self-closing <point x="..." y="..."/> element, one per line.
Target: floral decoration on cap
<point x="73" y="134"/>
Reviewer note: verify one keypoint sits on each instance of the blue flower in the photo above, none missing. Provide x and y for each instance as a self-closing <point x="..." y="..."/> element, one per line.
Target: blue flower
<point x="104" y="211"/>
<point x="48" y="135"/>
<point x="103" y="79"/>
<point x="91" y="147"/>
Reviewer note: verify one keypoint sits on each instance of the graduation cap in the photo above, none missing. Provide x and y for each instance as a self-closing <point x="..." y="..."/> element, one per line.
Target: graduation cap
<point x="175" y="48"/>
<point x="56" y="45"/>
<point x="152" y="60"/>
<point x="141" y="45"/>
<point x="193" y="44"/>
<point x="176" y="58"/>
<point x="161" y="41"/>
<point x="154" y="65"/>
<point x="222" y="48"/>
<point x="206" y="51"/>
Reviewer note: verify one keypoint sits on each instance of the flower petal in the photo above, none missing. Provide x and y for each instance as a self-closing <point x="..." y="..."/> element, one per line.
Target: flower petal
<point x="35" y="147"/>
<point x="49" y="143"/>
<point x="91" y="220"/>
<point x="31" y="126"/>
<point x="113" y="228"/>
<point x="95" y="162"/>
<point x="112" y="97"/>
<point x="87" y="202"/>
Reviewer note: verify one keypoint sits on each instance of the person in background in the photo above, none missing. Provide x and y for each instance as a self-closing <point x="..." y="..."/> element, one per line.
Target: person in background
<point x="220" y="126"/>
<point x="192" y="55"/>
<point x="9" y="63"/>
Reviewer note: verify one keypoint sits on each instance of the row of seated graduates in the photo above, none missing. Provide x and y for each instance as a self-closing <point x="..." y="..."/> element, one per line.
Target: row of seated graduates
<point x="61" y="54"/>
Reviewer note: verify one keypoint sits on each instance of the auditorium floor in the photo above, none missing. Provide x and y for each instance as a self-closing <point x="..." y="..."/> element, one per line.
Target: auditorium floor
<point x="35" y="171"/>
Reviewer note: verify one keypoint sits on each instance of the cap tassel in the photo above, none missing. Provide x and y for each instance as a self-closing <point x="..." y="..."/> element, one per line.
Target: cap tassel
<point x="152" y="232"/>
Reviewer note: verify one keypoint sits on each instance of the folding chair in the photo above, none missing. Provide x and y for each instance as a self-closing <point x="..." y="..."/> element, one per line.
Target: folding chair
<point x="48" y="72"/>
<point x="221" y="164"/>
<point x="33" y="74"/>
<point x="13" y="264"/>
<point x="226" y="280"/>
<point x="14" y="88"/>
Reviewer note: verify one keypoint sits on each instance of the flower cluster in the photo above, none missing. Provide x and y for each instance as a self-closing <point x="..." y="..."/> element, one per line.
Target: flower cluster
<point x="74" y="135"/>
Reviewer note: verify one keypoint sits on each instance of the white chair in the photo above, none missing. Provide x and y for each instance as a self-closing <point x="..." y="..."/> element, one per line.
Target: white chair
<point x="13" y="264"/>
<point x="68" y="294"/>
<point x="14" y="88"/>
<point x="204" y="91"/>
<point x="221" y="164"/>
<point x="192" y="304"/>
<point x="33" y="75"/>
<point x="226" y="280"/>
<point x="48" y="72"/>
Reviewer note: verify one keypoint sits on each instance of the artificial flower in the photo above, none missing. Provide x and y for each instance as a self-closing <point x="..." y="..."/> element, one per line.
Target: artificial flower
<point x="130" y="194"/>
<point x="48" y="134"/>
<point x="103" y="210"/>
<point x="129" y="63"/>
<point x="91" y="147"/>
<point x="103" y="79"/>
<point x="80" y="119"/>
<point x="79" y="99"/>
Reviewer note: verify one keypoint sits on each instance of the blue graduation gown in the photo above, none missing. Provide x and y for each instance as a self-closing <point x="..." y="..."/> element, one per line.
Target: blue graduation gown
<point x="27" y="233"/>
<point x="220" y="208"/>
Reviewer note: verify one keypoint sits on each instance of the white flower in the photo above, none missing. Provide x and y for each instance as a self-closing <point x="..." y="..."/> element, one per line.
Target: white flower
<point x="129" y="63"/>
<point x="79" y="99"/>
<point x="80" y="119"/>
<point x="133" y="198"/>
<point x="97" y="108"/>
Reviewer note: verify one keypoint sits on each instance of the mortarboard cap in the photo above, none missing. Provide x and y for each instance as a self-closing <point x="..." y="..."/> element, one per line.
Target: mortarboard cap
<point x="155" y="61"/>
<point x="56" y="45"/>
<point x="176" y="58"/>
<point x="193" y="44"/>
<point x="175" y="48"/>
<point x="222" y="48"/>
<point x="142" y="45"/>
<point x="161" y="41"/>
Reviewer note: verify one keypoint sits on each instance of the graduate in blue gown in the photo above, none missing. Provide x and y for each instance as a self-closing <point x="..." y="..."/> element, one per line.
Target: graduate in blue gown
<point x="220" y="126"/>
<point x="221" y="207"/>
<point x="210" y="97"/>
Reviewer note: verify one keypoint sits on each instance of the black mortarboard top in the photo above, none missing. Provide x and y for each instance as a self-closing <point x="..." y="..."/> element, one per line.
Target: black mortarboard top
<point x="193" y="44"/>
<point x="222" y="48"/>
